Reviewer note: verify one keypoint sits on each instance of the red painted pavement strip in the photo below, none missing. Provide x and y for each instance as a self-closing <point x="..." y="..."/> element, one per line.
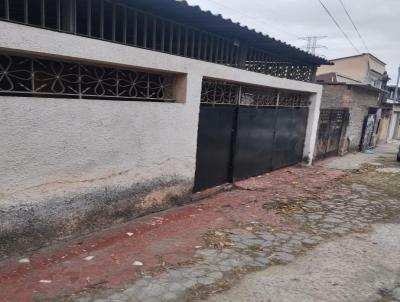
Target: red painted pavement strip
<point x="169" y="237"/>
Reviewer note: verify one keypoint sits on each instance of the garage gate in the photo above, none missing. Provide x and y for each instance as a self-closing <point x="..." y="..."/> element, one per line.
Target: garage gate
<point x="246" y="131"/>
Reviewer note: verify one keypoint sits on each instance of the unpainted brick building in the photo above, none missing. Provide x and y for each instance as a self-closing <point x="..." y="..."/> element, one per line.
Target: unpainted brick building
<point x="359" y="99"/>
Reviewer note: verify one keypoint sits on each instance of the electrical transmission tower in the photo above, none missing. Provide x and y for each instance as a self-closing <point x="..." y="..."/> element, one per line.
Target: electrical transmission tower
<point x="312" y="43"/>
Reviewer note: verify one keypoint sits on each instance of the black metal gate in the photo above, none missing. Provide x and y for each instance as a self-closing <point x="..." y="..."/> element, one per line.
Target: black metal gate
<point x="332" y="124"/>
<point x="254" y="142"/>
<point x="268" y="139"/>
<point x="214" y="146"/>
<point x="290" y="132"/>
<point x="244" y="132"/>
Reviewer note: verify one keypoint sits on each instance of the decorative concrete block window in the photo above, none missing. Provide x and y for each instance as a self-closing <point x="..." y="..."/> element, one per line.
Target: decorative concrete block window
<point x="37" y="77"/>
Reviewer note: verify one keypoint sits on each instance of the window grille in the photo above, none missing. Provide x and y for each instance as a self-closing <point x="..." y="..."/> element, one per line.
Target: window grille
<point x="226" y="93"/>
<point x="293" y="99"/>
<point x="117" y="22"/>
<point x="255" y="96"/>
<point x="49" y="78"/>
<point x="216" y="92"/>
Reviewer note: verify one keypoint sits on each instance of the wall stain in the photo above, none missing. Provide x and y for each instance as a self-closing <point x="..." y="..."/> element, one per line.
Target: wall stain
<point x="30" y="226"/>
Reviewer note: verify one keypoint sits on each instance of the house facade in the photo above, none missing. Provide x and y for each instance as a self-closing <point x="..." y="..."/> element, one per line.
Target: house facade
<point x="364" y="68"/>
<point x="113" y="109"/>
<point x="392" y="123"/>
<point x="359" y="100"/>
<point x="391" y="92"/>
<point x="357" y="84"/>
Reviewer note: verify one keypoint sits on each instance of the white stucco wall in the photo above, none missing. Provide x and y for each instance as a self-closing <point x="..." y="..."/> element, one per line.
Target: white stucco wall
<point x="52" y="148"/>
<point x="64" y="143"/>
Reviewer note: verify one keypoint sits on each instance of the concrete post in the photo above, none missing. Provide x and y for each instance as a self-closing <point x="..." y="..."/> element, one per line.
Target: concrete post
<point x="392" y="125"/>
<point x="396" y="92"/>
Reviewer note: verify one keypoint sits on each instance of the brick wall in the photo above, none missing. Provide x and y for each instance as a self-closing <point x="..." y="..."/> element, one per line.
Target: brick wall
<point x="361" y="101"/>
<point x="358" y="100"/>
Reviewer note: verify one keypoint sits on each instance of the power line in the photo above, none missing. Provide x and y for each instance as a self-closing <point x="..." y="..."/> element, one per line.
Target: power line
<point x="312" y="43"/>
<point x="354" y="25"/>
<point x="338" y="26"/>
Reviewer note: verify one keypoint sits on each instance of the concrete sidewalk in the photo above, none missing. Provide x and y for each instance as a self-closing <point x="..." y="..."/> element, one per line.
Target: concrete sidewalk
<point x="355" y="160"/>
<point x="198" y="250"/>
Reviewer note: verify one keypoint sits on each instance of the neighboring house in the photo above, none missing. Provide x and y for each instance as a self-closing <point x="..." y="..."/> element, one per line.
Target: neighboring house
<point x="390" y="122"/>
<point x="364" y="68"/>
<point x="359" y="99"/>
<point x="335" y="78"/>
<point x="391" y="106"/>
<point x="384" y="124"/>
<point x="394" y="125"/>
<point x="359" y="84"/>
<point x="113" y="109"/>
<point x="391" y="89"/>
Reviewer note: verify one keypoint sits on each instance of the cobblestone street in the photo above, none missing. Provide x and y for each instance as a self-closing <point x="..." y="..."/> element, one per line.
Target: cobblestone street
<point x="337" y="211"/>
<point x="256" y="246"/>
<point x="199" y="151"/>
<point x="279" y="228"/>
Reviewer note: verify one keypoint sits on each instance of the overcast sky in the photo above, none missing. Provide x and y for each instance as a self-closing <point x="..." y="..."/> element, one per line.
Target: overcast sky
<point x="377" y="20"/>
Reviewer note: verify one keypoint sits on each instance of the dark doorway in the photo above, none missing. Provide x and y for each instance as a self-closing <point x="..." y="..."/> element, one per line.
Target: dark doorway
<point x="367" y="139"/>
<point x="332" y="125"/>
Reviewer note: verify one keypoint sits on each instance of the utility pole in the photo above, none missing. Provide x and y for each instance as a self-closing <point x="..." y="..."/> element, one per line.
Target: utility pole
<point x="312" y="43"/>
<point x="396" y="91"/>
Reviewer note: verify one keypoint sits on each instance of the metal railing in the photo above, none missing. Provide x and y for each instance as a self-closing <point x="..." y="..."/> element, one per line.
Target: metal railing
<point x="112" y="21"/>
<point x="117" y="22"/>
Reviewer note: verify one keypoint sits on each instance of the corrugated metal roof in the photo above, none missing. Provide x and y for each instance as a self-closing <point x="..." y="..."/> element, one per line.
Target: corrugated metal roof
<point x="251" y="30"/>
<point x="182" y="11"/>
